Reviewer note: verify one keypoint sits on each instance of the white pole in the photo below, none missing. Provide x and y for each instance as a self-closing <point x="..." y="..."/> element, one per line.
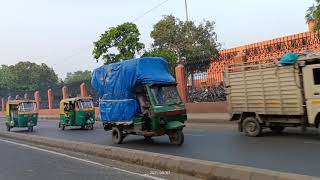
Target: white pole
<point x="186" y="7"/>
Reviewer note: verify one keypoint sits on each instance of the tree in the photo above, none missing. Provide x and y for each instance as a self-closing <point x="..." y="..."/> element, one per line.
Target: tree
<point x="26" y="77"/>
<point x="194" y="45"/>
<point x="313" y="14"/>
<point x="78" y="77"/>
<point x="169" y="55"/>
<point x="118" y="43"/>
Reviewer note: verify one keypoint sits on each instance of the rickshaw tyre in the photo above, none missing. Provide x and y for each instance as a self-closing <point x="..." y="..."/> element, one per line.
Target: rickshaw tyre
<point x="30" y="128"/>
<point x="148" y="138"/>
<point x="63" y="127"/>
<point x="8" y="128"/>
<point x="91" y="127"/>
<point x="117" y="135"/>
<point x="178" y="138"/>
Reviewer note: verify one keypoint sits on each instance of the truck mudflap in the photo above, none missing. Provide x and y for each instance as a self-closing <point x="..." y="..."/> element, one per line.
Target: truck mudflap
<point x="174" y="125"/>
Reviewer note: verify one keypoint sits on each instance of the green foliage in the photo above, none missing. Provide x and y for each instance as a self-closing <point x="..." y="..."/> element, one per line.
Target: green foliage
<point x="313" y="14"/>
<point x="194" y="45"/>
<point x="118" y="43"/>
<point x="78" y="77"/>
<point x="169" y="55"/>
<point x="26" y="77"/>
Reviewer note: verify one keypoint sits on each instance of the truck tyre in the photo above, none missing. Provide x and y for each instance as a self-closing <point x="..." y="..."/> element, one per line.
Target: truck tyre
<point x="117" y="135"/>
<point x="177" y="138"/>
<point x="251" y="127"/>
<point x="277" y="129"/>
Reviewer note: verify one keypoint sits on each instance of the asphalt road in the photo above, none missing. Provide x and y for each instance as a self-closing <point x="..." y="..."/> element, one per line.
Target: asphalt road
<point x="21" y="162"/>
<point x="287" y="152"/>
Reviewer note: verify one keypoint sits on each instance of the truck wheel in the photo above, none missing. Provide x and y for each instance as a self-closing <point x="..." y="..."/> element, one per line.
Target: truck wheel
<point x="177" y="137"/>
<point x="251" y="127"/>
<point x="117" y="135"/>
<point x="277" y="129"/>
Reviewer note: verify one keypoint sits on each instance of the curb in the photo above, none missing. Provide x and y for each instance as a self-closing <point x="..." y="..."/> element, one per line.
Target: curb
<point x="188" y="166"/>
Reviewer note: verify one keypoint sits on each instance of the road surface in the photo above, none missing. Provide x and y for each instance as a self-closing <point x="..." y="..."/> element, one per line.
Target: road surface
<point x="25" y="162"/>
<point x="288" y="152"/>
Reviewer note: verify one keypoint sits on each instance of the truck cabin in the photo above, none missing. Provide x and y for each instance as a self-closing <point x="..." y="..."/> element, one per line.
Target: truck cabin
<point x="141" y="95"/>
<point x="165" y="94"/>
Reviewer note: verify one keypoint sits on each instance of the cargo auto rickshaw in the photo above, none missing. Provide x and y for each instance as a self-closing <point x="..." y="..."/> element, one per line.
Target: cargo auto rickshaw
<point x="140" y="97"/>
<point x="77" y="111"/>
<point x="21" y="113"/>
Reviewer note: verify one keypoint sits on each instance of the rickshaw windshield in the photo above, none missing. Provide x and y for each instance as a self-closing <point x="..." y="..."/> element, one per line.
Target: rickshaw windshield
<point x="165" y="95"/>
<point x="85" y="104"/>
<point x="27" y="106"/>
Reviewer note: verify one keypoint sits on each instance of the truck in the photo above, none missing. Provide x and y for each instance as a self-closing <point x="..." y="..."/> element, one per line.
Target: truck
<point x="268" y="94"/>
<point x="140" y="97"/>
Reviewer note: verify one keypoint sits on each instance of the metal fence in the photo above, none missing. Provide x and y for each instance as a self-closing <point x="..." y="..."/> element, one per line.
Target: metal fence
<point x="206" y="84"/>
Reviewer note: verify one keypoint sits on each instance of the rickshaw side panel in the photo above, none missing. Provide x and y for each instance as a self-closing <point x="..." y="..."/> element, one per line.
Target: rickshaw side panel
<point x="81" y="117"/>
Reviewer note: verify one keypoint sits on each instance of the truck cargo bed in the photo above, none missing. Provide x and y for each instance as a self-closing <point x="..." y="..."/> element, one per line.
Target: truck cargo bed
<point x="264" y="88"/>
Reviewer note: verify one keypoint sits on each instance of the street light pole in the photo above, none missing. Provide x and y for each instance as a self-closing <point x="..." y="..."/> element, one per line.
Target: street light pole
<point x="186" y="7"/>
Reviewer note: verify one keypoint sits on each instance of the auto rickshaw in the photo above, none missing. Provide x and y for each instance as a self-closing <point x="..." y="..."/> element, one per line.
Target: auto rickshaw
<point x="77" y="111"/>
<point x="21" y="113"/>
<point x="140" y="97"/>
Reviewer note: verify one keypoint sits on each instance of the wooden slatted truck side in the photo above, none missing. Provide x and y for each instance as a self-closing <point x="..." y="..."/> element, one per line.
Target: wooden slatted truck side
<point x="270" y="95"/>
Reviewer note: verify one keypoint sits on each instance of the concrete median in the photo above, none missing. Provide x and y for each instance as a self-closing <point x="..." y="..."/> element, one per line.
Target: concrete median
<point x="192" y="167"/>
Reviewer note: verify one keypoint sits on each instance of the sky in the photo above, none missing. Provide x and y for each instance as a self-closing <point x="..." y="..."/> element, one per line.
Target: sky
<point x="61" y="33"/>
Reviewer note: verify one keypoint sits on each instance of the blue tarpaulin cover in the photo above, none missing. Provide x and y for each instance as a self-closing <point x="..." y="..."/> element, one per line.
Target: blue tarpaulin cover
<point x="289" y="58"/>
<point x="115" y="84"/>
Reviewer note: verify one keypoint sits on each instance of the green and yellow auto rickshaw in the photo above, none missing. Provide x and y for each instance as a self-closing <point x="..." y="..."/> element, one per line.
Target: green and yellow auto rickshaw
<point x="77" y="111"/>
<point x="21" y="113"/>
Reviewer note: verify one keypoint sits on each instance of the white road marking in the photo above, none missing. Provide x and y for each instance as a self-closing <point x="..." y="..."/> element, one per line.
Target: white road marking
<point x="79" y="159"/>
<point x="310" y="142"/>
<point x="195" y="135"/>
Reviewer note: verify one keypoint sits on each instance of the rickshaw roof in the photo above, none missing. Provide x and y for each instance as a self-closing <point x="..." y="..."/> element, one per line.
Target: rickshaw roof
<point x="19" y="101"/>
<point x="75" y="99"/>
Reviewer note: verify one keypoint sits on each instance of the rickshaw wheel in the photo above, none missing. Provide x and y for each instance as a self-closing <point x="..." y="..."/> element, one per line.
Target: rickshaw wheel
<point x="30" y="128"/>
<point x="8" y="128"/>
<point x="59" y="125"/>
<point x="117" y="135"/>
<point x="63" y="127"/>
<point x="148" y="138"/>
<point x="177" y="138"/>
<point x="91" y="126"/>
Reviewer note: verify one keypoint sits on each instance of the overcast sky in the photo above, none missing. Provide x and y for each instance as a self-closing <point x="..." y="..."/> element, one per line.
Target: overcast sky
<point x="60" y="32"/>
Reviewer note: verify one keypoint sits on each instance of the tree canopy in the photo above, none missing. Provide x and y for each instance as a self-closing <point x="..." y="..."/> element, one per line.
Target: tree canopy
<point x="26" y="77"/>
<point x="78" y="77"/>
<point x="118" y="43"/>
<point x="194" y="45"/>
<point x="313" y="14"/>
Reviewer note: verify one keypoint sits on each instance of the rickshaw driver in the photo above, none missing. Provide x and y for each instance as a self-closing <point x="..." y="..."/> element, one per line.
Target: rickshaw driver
<point x="144" y="106"/>
<point x="67" y="110"/>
